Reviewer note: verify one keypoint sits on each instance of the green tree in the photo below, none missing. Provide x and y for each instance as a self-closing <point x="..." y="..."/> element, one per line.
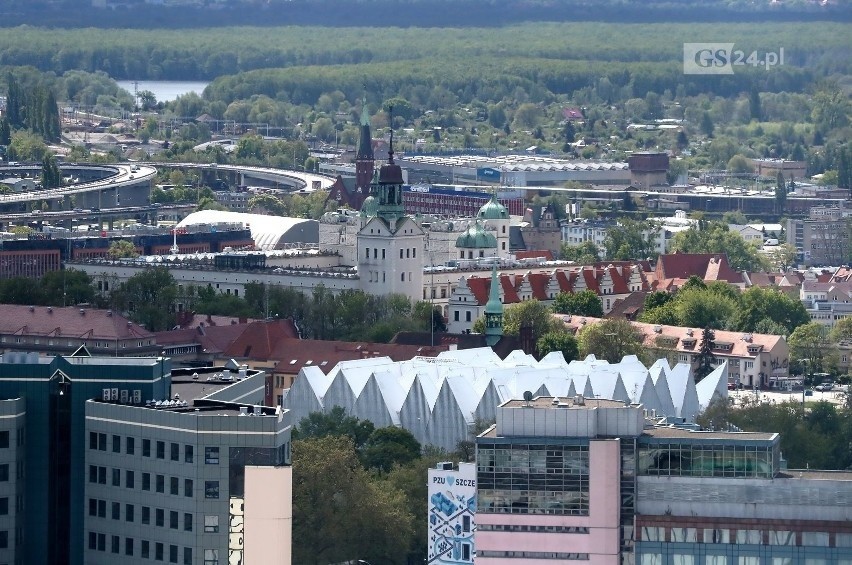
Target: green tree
<point x="716" y="238"/>
<point x="656" y="299"/>
<point x="562" y="341"/>
<point x="583" y="303"/>
<point x="830" y="107"/>
<point x="630" y="239"/>
<point x="26" y="146"/>
<point x="529" y="313"/>
<point x="331" y="495"/>
<point x="610" y="339"/>
<point x="696" y="308"/>
<point x="585" y="253"/>
<point x="734" y="217"/>
<point x="707" y="126"/>
<point x="389" y="447"/>
<point x="780" y="192"/>
<point x="738" y="164"/>
<point x="67" y="287"/>
<point x="51" y="176"/>
<point x="334" y="423"/>
<point x="810" y="349"/>
<point x="705" y="357"/>
<point x="5" y="131"/>
<point x="757" y="304"/>
<point x="121" y="249"/>
<point x="268" y="203"/>
<point x="842" y="330"/>
<point x="754" y="106"/>
<point x="149" y="297"/>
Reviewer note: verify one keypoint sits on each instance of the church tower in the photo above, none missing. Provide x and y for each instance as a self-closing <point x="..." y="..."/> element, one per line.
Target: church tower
<point x="390" y="244"/>
<point x="493" y="312"/>
<point x="365" y="161"/>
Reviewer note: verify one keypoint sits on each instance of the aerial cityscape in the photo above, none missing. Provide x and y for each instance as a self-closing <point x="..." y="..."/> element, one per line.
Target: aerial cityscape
<point x="393" y="283"/>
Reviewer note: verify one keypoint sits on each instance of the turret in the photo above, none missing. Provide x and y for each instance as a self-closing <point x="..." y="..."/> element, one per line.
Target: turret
<point x="493" y="312"/>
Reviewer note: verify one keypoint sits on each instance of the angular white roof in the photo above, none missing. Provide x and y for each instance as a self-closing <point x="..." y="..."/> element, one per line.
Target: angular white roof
<point x="440" y="399"/>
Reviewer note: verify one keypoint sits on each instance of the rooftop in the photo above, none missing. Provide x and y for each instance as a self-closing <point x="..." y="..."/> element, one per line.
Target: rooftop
<point x="556" y="402"/>
<point x="673" y="432"/>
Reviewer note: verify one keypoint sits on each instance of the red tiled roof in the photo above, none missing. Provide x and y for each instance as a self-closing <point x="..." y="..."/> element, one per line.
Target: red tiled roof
<point x="538" y="284"/>
<point x="706" y="266"/>
<point x="480" y="287"/>
<point x="510" y="291"/>
<point x="88" y="323"/>
<point x="292" y="354"/>
<point x="259" y="339"/>
<point x="591" y="279"/>
<point x="619" y="282"/>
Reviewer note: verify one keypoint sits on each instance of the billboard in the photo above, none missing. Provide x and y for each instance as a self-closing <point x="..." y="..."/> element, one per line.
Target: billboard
<point x="452" y="509"/>
<point x="488" y="174"/>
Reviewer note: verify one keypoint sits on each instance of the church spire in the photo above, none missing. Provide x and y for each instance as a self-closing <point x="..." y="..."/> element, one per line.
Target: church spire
<point x="493" y="312"/>
<point x="390" y="146"/>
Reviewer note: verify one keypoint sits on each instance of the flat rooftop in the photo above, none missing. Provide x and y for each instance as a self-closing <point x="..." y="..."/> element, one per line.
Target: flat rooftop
<point x="674" y="433"/>
<point x="563" y="402"/>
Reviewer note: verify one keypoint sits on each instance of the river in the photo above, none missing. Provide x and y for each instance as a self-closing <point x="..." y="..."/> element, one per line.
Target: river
<point x="164" y="90"/>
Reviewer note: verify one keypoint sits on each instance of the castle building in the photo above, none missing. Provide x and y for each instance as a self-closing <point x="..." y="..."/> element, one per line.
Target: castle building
<point x="390" y="244"/>
<point x="365" y="161"/>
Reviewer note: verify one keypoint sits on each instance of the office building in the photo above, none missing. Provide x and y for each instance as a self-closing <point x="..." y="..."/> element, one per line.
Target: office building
<point x="580" y="479"/>
<point x="106" y="460"/>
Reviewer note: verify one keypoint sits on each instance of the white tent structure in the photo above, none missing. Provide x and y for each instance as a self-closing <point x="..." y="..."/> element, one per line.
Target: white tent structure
<point x="441" y="400"/>
<point x="268" y="232"/>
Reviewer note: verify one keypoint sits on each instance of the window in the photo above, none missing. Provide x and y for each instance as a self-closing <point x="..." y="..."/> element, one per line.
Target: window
<point x="467" y="316"/>
<point x="128" y="546"/>
<point x="187" y="487"/>
<point x="93" y="507"/>
<point x="129" y="479"/>
<point x="101" y="542"/>
<point x="402" y="277"/>
<point x="211" y="524"/>
<point x="211" y="489"/>
<point x="116" y="444"/>
<point x="400" y="253"/>
<point x="175" y="452"/>
<point x="102" y="475"/>
<point x="211" y="455"/>
<point x="129" y="511"/>
<point x="173" y="554"/>
<point x="174" y="487"/>
<point x="116" y="477"/>
<point x="160" y="517"/>
<point x="158" y="551"/>
<point x="187" y="453"/>
<point x="116" y="511"/>
<point x="456" y="315"/>
<point x="187" y="556"/>
<point x="146" y="514"/>
<point x="4" y="473"/>
<point x="93" y="440"/>
<point x="4" y="506"/>
<point x="161" y="450"/>
<point x="146" y="448"/>
<point x="116" y="544"/>
<point x="130" y="446"/>
<point x="102" y="509"/>
<point x="161" y="483"/>
<point x="144" y="549"/>
<point x="211" y="557"/>
<point x="146" y="481"/>
<point x="93" y="540"/>
<point x="187" y="522"/>
<point x="173" y="520"/>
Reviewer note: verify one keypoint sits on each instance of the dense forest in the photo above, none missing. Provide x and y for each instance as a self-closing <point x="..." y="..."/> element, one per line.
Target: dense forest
<point x="541" y="52"/>
<point x="487" y="13"/>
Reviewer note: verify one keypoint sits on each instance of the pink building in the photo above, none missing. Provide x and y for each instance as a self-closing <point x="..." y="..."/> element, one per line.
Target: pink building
<point x="550" y="481"/>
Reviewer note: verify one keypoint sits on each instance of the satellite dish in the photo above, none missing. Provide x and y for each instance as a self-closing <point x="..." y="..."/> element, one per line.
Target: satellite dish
<point x="527" y="395"/>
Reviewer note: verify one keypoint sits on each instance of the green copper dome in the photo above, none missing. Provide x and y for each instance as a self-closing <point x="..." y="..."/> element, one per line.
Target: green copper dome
<point x="370" y="207"/>
<point x="476" y="238"/>
<point x="493" y="210"/>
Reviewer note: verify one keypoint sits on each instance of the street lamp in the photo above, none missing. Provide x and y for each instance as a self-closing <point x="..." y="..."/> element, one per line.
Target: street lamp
<point x="804" y="378"/>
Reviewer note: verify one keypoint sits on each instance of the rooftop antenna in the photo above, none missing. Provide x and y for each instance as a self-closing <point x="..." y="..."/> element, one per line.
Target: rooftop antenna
<point x="527" y="398"/>
<point x="390" y="148"/>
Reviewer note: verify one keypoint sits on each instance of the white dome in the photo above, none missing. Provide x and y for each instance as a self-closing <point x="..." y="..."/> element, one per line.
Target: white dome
<point x="268" y="232"/>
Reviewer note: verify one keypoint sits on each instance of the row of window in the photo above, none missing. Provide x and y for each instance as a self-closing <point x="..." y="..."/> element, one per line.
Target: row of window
<point x="409" y="252"/>
<point x="98" y="475"/>
<point x="98" y="542"/>
<point x="98" y="442"/>
<point x="536" y="529"/>
<point x="535" y="555"/>
<point x="98" y="509"/>
<point x="742" y="536"/>
<point x="5" y="436"/>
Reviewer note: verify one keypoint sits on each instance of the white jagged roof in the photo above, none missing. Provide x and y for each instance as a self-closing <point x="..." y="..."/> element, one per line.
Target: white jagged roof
<point x="438" y="400"/>
<point x="266" y="231"/>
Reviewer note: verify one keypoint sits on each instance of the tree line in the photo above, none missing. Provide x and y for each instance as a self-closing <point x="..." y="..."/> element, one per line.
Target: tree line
<point x="163" y="54"/>
<point x="33" y="108"/>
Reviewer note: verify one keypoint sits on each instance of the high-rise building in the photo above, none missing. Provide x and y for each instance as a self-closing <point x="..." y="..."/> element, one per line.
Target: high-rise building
<point x="105" y="459"/>
<point x="578" y="479"/>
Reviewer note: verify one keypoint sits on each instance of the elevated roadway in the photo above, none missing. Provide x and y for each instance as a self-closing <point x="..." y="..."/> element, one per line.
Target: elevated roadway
<point x="299" y="180"/>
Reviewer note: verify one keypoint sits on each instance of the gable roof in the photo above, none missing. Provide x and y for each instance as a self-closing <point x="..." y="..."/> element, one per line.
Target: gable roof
<point x="87" y="323"/>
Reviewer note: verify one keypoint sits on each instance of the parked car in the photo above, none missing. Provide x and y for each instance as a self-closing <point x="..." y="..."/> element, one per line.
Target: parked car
<point x="822" y="387"/>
